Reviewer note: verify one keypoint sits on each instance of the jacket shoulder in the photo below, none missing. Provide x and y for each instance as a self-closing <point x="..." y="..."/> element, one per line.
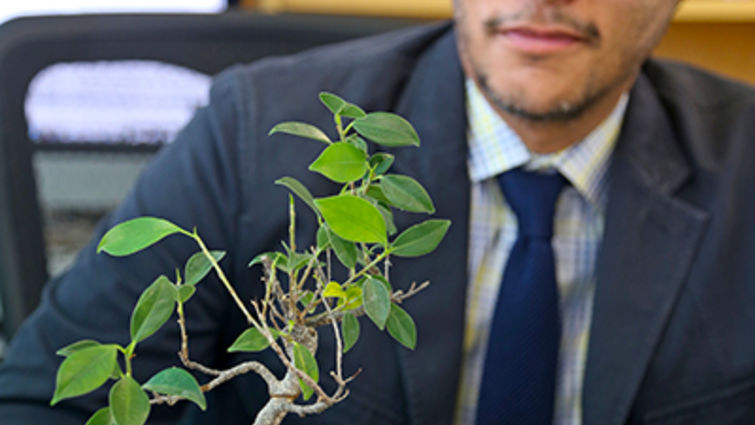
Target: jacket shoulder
<point x="356" y="69"/>
<point x="714" y="116"/>
<point x="702" y="88"/>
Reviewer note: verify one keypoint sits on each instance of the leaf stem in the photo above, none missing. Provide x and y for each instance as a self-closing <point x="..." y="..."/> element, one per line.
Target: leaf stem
<point x="366" y="268"/>
<point x="223" y="278"/>
<point x="349" y="126"/>
<point x="292" y="224"/>
<point x="339" y="127"/>
<point x="128" y="353"/>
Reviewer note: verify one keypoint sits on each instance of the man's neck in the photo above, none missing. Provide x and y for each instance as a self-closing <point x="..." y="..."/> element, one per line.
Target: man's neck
<point x="553" y="136"/>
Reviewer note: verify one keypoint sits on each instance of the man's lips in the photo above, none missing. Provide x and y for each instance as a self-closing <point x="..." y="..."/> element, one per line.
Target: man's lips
<point x="541" y="40"/>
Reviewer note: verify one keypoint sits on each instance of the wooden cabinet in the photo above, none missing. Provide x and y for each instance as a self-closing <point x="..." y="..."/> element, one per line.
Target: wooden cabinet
<point x="715" y="34"/>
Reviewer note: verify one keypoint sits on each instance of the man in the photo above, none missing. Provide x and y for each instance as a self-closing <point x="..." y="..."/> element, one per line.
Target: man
<point x="653" y="231"/>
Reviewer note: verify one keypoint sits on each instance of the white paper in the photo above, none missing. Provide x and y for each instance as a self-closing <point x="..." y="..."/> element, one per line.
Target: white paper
<point x="13" y="8"/>
<point x="123" y="102"/>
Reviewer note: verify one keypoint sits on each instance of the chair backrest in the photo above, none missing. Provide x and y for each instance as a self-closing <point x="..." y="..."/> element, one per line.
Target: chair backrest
<point x="204" y="43"/>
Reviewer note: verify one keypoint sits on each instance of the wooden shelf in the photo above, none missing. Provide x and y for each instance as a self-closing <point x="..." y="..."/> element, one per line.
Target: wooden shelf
<point x="419" y="9"/>
<point x="689" y="11"/>
<point x="716" y="11"/>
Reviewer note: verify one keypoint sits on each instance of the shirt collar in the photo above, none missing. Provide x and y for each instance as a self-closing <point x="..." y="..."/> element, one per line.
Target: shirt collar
<point x="495" y="148"/>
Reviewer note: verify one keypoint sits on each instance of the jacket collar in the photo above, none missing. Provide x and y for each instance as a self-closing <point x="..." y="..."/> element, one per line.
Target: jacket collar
<point x="648" y="246"/>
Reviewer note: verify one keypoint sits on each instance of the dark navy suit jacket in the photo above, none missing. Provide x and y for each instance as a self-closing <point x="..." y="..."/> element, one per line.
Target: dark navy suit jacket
<point x="673" y="331"/>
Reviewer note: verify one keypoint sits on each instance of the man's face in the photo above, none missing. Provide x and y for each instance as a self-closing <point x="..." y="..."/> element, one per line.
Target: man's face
<point x="550" y="60"/>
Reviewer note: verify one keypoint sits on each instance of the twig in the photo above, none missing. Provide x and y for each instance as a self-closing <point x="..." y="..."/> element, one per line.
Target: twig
<point x="339" y="343"/>
<point x="399" y="296"/>
<point x="225" y="376"/>
<point x="222" y="277"/>
<point x="386" y="266"/>
<point x="184" y="353"/>
<point x="241" y="369"/>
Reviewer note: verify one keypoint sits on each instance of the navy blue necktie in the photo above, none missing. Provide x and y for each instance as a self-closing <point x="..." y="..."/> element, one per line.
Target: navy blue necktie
<point x="519" y="376"/>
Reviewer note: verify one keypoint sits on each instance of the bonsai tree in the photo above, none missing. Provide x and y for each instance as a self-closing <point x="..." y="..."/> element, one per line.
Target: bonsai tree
<point x="300" y="294"/>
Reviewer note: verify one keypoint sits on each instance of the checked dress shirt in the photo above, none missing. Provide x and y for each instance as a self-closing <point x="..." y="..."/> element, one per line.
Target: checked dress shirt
<point x="578" y="229"/>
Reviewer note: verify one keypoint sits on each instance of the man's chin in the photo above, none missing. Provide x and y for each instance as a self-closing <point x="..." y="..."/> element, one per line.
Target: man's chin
<point x="529" y="107"/>
<point x="559" y="112"/>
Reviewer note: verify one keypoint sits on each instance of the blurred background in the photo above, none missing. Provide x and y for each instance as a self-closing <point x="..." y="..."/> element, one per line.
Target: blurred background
<point x="91" y="89"/>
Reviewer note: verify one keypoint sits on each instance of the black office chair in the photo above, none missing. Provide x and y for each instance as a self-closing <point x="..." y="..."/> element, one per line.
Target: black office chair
<point x="205" y="43"/>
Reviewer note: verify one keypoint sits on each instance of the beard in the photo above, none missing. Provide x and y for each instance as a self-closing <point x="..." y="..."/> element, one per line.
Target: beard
<point x="563" y="111"/>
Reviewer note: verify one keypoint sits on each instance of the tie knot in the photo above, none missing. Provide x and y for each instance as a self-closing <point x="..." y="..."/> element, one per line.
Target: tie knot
<point x="533" y="197"/>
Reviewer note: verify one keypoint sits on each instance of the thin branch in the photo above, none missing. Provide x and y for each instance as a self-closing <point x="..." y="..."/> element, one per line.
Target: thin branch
<point x="386" y="266"/>
<point x="308" y="270"/>
<point x="223" y="277"/>
<point x="225" y="376"/>
<point x="366" y="268"/>
<point x="276" y="314"/>
<point x="241" y="369"/>
<point x="291" y="312"/>
<point x="339" y="343"/>
<point x="184" y="353"/>
<point x="268" y="279"/>
<point x="400" y="296"/>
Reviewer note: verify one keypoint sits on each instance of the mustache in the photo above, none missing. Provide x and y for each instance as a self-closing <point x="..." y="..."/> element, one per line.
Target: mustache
<point x="550" y="16"/>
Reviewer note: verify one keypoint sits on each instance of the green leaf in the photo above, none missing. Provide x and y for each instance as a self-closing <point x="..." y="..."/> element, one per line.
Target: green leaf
<point x="135" y="235"/>
<point x="299" y="190"/>
<point x="76" y="346"/>
<point x="387" y="129"/>
<point x="384" y="281"/>
<point x="406" y="194"/>
<point x="153" y="309"/>
<point x="129" y="404"/>
<point x="252" y="341"/>
<point x="339" y="106"/>
<point x="177" y="382"/>
<point x="376" y="192"/>
<point x="353" y="218"/>
<point x="351" y="110"/>
<point x="199" y="265"/>
<point x="420" y="239"/>
<point x="323" y="241"/>
<point x="305" y="361"/>
<point x="341" y="162"/>
<point x="345" y="251"/>
<point x="185" y="292"/>
<point x="300" y="129"/>
<point x="388" y="218"/>
<point x="332" y="101"/>
<point x="401" y="327"/>
<point x="333" y="290"/>
<point x="117" y="372"/>
<point x="273" y="256"/>
<point x="305" y="299"/>
<point x="358" y="143"/>
<point x="101" y="417"/>
<point x="84" y="371"/>
<point x="350" y="331"/>
<point x="295" y="261"/>
<point x="353" y="297"/>
<point x="377" y="302"/>
<point x="382" y="162"/>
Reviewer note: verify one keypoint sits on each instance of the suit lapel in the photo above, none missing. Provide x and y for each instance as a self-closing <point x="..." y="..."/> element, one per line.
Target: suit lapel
<point x="649" y="242"/>
<point x="433" y="100"/>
